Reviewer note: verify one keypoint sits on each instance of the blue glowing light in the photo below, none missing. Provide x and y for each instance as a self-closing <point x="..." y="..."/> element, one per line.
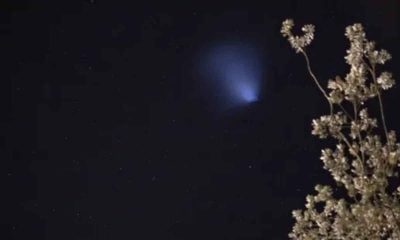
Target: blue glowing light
<point x="247" y="92"/>
<point x="235" y="74"/>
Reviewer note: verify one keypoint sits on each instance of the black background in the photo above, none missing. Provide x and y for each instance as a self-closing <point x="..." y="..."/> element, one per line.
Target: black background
<point x="108" y="133"/>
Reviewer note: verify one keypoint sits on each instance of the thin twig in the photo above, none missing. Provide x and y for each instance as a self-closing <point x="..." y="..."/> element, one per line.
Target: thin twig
<point x="380" y="104"/>
<point x="316" y="80"/>
<point x="320" y="87"/>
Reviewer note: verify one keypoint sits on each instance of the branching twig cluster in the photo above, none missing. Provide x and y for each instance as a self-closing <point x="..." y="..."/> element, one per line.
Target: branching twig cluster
<point x="360" y="162"/>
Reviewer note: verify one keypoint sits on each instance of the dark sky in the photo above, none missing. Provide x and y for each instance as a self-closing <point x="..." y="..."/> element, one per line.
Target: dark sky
<point x="115" y="124"/>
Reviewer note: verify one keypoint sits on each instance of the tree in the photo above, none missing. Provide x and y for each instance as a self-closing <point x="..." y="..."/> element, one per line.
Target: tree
<point x="365" y="161"/>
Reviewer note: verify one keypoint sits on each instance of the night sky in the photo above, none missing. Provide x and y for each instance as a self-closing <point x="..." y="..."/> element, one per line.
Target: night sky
<point x="170" y="120"/>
